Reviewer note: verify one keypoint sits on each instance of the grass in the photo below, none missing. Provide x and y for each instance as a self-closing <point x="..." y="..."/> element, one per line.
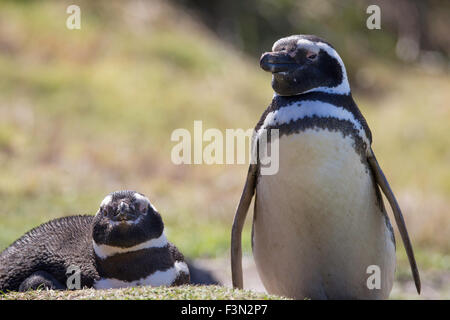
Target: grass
<point x="87" y="112"/>
<point x="144" y="293"/>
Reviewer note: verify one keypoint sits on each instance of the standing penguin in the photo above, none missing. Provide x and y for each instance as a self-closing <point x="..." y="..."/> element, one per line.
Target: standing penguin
<point x="320" y="229"/>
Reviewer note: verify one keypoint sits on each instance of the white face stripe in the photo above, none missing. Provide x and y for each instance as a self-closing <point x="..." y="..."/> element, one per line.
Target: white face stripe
<point x="287" y="39"/>
<point x="106" y="200"/>
<point x="309" y="108"/>
<point x="103" y="251"/>
<point x="138" y="197"/>
<point x="344" y="86"/>
<point x="158" y="278"/>
<point x="308" y="45"/>
<point x="143" y="200"/>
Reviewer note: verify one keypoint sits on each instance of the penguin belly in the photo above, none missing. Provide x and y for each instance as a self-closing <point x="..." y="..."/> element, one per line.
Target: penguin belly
<point x="318" y="224"/>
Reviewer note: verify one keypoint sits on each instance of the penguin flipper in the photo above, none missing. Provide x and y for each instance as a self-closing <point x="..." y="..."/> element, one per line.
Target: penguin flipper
<point x="384" y="185"/>
<point x="238" y="224"/>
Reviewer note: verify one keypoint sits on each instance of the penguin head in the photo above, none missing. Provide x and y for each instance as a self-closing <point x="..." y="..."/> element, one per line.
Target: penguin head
<point x="305" y="63"/>
<point x="125" y="219"/>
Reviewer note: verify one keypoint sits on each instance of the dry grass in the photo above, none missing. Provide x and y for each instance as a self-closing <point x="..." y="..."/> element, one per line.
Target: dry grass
<point x="144" y="293"/>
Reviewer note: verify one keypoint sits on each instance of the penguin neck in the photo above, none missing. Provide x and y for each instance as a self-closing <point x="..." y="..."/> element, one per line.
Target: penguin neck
<point x="103" y="251"/>
<point x="122" y="267"/>
<point x="343" y="102"/>
<point x="337" y="99"/>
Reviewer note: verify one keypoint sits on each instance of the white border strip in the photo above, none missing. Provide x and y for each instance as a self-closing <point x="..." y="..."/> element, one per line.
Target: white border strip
<point x="344" y="86"/>
<point x="308" y="109"/>
<point x="104" y="251"/>
<point x="158" y="278"/>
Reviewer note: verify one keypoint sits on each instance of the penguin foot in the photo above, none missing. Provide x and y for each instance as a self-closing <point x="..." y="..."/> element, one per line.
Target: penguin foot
<point x="40" y="280"/>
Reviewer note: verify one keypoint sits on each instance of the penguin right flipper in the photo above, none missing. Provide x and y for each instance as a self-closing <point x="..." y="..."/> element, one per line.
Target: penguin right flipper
<point x="183" y="272"/>
<point x="238" y="224"/>
<point x="41" y="280"/>
<point x="384" y="185"/>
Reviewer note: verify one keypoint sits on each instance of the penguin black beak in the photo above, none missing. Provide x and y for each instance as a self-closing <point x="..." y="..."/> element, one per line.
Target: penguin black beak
<point x="124" y="216"/>
<point x="123" y="212"/>
<point x="277" y="62"/>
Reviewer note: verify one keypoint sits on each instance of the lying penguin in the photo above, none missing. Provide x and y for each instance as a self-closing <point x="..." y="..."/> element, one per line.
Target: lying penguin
<point x="123" y="245"/>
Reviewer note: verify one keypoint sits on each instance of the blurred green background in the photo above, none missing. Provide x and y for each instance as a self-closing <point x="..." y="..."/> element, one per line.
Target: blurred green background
<point x="87" y="112"/>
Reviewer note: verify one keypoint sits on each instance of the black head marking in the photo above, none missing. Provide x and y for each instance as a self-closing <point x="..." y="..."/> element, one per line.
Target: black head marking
<point x="125" y="219"/>
<point x="304" y="63"/>
<point x="124" y="205"/>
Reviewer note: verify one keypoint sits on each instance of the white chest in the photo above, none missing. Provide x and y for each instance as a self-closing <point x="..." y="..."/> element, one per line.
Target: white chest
<point x="317" y="223"/>
<point x="158" y="278"/>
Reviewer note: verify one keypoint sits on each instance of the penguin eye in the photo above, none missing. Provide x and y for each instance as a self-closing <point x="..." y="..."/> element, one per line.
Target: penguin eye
<point x="104" y="211"/>
<point x="311" y="55"/>
<point x="288" y="49"/>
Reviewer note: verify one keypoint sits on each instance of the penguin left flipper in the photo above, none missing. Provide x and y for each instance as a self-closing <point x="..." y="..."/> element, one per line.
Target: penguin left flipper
<point x="238" y="224"/>
<point x="384" y="185"/>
